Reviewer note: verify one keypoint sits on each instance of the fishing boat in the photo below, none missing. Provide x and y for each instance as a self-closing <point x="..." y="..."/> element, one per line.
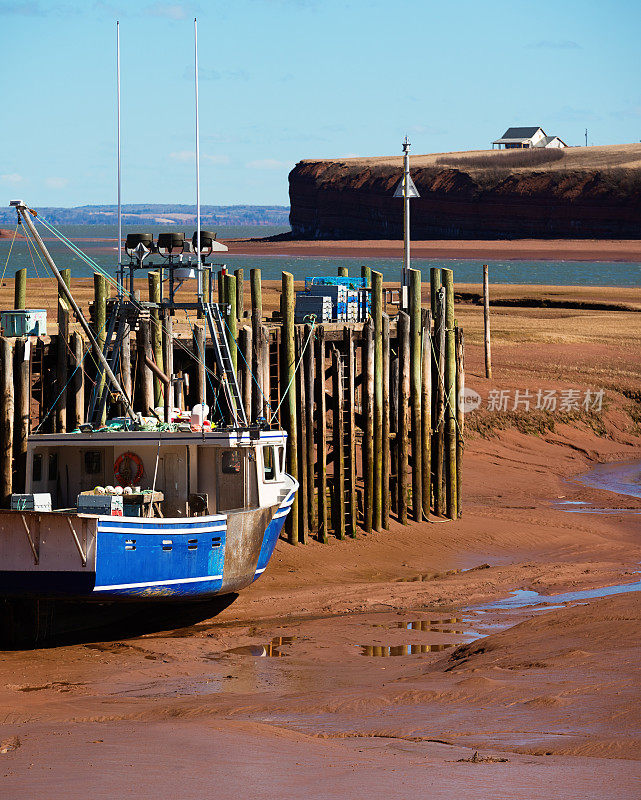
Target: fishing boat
<point x="176" y="506"/>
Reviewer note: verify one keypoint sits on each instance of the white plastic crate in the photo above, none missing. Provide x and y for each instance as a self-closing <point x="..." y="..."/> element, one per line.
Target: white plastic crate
<point x="31" y="502"/>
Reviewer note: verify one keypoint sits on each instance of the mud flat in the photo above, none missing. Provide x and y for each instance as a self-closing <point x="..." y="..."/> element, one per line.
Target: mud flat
<point x="381" y="666"/>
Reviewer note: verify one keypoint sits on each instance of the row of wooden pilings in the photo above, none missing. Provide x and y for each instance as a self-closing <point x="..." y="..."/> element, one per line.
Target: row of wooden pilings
<point x="375" y="429"/>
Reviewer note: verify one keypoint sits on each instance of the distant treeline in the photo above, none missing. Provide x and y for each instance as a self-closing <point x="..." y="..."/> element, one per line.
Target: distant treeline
<point x="505" y="159"/>
<point x="133" y="213"/>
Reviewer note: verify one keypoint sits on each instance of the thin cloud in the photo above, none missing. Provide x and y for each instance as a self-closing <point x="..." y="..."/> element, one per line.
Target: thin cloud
<point x="205" y="74"/>
<point x="56" y="183"/>
<point x="267" y="163"/>
<point x="547" y="44"/>
<point x="12" y="178"/>
<point x="173" y="11"/>
<point x="31" y="9"/>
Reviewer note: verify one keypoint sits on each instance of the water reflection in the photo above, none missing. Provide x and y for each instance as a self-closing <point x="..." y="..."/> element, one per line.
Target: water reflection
<point x="403" y="649"/>
<point x="269" y="650"/>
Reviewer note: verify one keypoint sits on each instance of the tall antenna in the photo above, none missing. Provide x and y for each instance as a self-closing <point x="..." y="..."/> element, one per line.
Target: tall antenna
<point x="199" y="262"/>
<point x="120" y="269"/>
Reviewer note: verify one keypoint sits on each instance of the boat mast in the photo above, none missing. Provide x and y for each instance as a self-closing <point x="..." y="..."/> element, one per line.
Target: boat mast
<point x="121" y="276"/>
<point x="25" y="213"/>
<point x="199" y="264"/>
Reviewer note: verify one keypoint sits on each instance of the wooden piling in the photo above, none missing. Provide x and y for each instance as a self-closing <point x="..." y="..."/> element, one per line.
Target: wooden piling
<point x="460" y="416"/>
<point x="321" y="434"/>
<point x="338" y="431"/>
<point x="20" y="289"/>
<point x="78" y="383"/>
<point x="245" y="341"/>
<point x="450" y="393"/>
<point x="368" y="424"/>
<point x="402" y="437"/>
<point x="153" y="278"/>
<point x="289" y="366"/>
<point x="168" y="359"/>
<point x="349" y="413"/>
<point x="393" y="408"/>
<point x="486" y="322"/>
<point x="309" y="371"/>
<point x="143" y="344"/>
<point x="438" y="445"/>
<point x="377" y="318"/>
<point x="206" y="278"/>
<point x="343" y="272"/>
<point x="303" y="473"/>
<point x="416" y="359"/>
<point x="426" y="411"/>
<point x="239" y="274"/>
<point x="62" y="358"/>
<point x="385" y="454"/>
<point x="436" y="281"/>
<point x="199" y="350"/>
<point x="100" y="329"/>
<point x="125" y="364"/>
<point x="221" y="286"/>
<point x="22" y="381"/>
<point x="231" y="317"/>
<point x="366" y="272"/>
<point x="7" y="412"/>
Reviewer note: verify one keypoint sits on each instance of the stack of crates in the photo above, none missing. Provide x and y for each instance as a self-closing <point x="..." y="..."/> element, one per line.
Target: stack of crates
<point x="308" y="305"/>
<point x="350" y="298"/>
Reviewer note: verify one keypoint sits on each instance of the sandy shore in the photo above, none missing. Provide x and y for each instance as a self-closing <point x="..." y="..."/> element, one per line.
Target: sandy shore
<point x="548" y="697"/>
<point x="524" y="249"/>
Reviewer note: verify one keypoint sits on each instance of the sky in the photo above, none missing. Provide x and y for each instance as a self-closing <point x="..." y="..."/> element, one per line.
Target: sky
<point x="285" y="80"/>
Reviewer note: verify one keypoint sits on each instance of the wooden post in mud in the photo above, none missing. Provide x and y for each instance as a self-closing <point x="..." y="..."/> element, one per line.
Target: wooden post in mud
<point x="206" y="277"/>
<point x="386" y="424"/>
<point x="394" y="398"/>
<point x="450" y="393"/>
<point x="343" y="272"/>
<point x="20" y="290"/>
<point x="78" y="384"/>
<point x="403" y="323"/>
<point x="100" y="327"/>
<point x="460" y="416"/>
<point x="62" y="358"/>
<point x="6" y="421"/>
<point x="153" y="278"/>
<point x="486" y="321"/>
<point x="231" y="318"/>
<point x="321" y="433"/>
<point x="245" y="337"/>
<point x="258" y="388"/>
<point x="426" y="410"/>
<point x="309" y="373"/>
<point x="22" y="380"/>
<point x="168" y="360"/>
<point x="438" y="445"/>
<point x="416" y="359"/>
<point x="338" y="431"/>
<point x="377" y="478"/>
<point x="350" y="413"/>
<point x="368" y="424"/>
<point x="199" y="350"/>
<point x="143" y="345"/>
<point x="303" y="474"/>
<point x="436" y="281"/>
<point x="221" y="286"/>
<point x="287" y="380"/>
<point x="239" y="274"/>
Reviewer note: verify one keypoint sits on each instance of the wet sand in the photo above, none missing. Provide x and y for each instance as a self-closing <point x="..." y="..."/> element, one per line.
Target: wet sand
<point x="341" y="708"/>
<point x="527" y="249"/>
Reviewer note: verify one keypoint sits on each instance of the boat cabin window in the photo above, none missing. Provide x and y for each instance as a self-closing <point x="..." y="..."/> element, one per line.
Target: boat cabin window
<point x="281" y="458"/>
<point x="230" y="462"/>
<point x="93" y="462"/>
<point x="269" y="463"/>
<point x="37" y="467"/>
<point x="53" y="466"/>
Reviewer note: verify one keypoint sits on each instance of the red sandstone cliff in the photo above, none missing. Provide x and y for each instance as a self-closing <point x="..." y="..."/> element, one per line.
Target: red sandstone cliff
<point x="588" y="193"/>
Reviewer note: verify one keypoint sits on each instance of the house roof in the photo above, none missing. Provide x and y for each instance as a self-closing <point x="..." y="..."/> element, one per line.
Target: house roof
<point x="545" y="141"/>
<point x="518" y="135"/>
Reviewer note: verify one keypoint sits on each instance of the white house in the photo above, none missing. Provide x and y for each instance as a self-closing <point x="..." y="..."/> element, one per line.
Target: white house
<point x="518" y="138"/>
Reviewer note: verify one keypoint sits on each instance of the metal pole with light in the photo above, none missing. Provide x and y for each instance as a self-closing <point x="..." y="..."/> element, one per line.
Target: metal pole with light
<point x="121" y="272"/>
<point x="406" y="189"/>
